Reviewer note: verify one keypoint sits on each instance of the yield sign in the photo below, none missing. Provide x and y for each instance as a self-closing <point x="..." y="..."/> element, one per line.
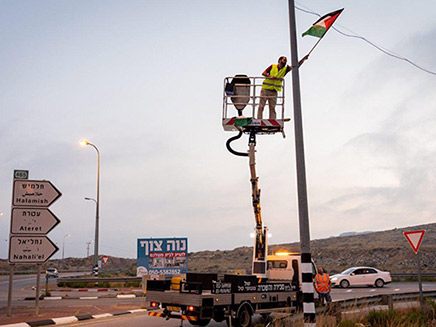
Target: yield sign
<point x="105" y="259"/>
<point x="415" y="239"/>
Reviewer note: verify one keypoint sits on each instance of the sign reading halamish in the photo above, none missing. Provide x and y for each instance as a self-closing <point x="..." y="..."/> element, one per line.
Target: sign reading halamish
<point x="34" y="193"/>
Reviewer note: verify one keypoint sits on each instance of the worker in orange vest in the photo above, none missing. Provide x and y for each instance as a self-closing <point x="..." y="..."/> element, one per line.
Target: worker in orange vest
<point x="323" y="286"/>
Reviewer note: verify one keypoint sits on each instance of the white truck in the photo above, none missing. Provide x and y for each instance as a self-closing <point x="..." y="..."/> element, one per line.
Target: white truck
<point x="234" y="298"/>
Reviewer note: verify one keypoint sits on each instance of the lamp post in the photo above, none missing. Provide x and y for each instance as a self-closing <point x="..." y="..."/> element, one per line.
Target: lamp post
<point x="87" y="248"/>
<point x="97" y="202"/>
<point x="63" y="246"/>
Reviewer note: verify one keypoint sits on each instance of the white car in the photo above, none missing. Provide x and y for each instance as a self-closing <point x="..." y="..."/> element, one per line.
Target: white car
<point x="361" y="276"/>
<point x="51" y="272"/>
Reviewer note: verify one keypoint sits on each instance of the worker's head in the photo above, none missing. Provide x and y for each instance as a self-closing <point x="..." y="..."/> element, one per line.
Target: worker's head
<point x="320" y="270"/>
<point x="283" y="61"/>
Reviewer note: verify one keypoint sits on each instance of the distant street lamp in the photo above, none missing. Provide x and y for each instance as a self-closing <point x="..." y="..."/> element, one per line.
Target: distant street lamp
<point x="63" y="245"/>
<point x="87" y="245"/>
<point x="97" y="202"/>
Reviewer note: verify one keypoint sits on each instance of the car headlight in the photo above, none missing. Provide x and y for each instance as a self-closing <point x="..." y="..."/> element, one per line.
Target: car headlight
<point x="334" y="279"/>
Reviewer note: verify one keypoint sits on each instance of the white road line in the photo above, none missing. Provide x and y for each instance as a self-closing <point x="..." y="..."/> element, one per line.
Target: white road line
<point x="348" y="291"/>
<point x="125" y="296"/>
<point x="396" y="290"/>
<point x="372" y="290"/>
<point x="88" y="298"/>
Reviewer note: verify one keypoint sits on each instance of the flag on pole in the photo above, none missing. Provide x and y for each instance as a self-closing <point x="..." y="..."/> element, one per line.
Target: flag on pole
<point x="322" y="25"/>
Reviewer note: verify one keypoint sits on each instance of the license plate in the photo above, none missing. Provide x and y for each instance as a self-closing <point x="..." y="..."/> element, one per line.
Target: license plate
<point x="173" y="308"/>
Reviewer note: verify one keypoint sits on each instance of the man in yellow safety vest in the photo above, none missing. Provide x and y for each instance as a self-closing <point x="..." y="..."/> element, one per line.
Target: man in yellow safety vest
<point x="323" y="286"/>
<point x="272" y="84"/>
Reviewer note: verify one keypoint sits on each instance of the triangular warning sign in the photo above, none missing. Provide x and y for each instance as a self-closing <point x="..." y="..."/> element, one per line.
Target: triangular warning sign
<point x="415" y="238"/>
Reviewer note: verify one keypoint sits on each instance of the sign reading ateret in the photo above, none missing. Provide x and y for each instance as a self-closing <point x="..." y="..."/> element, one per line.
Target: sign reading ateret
<point x="31" y="249"/>
<point x="33" y="221"/>
<point x="29" y="193"/>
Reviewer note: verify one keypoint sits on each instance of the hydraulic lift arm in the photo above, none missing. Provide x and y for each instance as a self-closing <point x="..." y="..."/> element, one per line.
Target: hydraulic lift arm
<point x="260" y="243"/>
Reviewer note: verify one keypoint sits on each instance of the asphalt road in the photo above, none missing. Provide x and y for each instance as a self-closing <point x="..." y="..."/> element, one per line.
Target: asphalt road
<point x="23" y="286"/>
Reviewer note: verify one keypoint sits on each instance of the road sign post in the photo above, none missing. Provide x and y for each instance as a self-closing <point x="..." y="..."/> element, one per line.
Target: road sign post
<point x="415" y="240"/>
<point x="31" y="221"/>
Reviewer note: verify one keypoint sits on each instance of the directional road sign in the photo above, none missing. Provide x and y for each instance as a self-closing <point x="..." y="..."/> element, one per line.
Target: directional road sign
<point x="29" y="193"/>
<point x="38" y="221"/>
<point x="415" y="238"/>
<point x="31" y="249"/>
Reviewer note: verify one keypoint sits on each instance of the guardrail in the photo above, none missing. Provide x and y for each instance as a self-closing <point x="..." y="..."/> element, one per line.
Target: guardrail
<point x="405" y="275"/>
<point x="98" y="279"/>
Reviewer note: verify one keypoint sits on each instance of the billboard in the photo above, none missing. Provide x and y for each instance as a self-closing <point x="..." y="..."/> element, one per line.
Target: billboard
<point x="162" y="256"/>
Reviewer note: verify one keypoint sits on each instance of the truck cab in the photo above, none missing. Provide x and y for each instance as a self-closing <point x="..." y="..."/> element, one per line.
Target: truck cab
<point x="284" y="265"/>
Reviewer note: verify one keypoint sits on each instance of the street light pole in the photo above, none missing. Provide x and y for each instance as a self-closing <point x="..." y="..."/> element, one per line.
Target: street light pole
<point x="97" y="202"/>
<point x="303" y="211"/>
<point x="63" y="246"/>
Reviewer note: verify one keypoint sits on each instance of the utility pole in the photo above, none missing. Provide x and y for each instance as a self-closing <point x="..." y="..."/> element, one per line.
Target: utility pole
<point x="303" y="211"/>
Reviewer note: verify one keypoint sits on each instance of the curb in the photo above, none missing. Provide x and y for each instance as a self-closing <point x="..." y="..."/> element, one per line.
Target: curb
<point x="68" y="320"/>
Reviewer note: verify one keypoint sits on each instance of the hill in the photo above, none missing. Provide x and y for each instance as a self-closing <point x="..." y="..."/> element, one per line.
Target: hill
<point x="386" y="250"/>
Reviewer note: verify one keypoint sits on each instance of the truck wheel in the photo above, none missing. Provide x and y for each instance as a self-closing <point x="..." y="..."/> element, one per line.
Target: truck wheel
<point x="244" y="318"/>
<point x="344" y="283"/>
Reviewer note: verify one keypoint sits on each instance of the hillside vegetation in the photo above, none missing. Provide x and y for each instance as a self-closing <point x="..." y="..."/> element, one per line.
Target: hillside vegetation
<point x="386" y="250"/>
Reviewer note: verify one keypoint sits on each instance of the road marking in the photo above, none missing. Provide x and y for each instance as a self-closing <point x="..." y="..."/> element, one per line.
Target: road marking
<point x="396" y="290"/>
<point x="88" y="297"/>
<point x="125" y="296"/>
<point x="348" y="291"/>
<point x="372" y="290"/>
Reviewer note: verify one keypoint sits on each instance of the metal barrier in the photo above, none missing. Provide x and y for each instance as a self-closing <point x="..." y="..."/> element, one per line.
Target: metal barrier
<point x="98" y="279"/>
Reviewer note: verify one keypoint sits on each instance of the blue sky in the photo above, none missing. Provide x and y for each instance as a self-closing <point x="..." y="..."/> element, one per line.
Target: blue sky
<point x="142" y="80"/>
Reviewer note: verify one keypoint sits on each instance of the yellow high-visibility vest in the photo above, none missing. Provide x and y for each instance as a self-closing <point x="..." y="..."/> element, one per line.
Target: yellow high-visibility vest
<point x="274" y="84"/>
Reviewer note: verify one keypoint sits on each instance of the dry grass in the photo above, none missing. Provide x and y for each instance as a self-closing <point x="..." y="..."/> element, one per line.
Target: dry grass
<point x="411" y="316"/>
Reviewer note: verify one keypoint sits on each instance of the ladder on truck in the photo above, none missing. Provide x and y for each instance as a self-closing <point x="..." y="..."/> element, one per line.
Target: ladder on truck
<point x="240" y="92"/>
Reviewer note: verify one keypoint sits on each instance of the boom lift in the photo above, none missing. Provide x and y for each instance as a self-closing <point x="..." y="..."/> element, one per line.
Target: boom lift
<point x="275" y="282"/>
<point x="242" y="91"/>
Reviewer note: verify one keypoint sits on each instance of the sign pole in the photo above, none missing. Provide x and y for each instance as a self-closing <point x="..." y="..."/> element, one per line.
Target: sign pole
<point x="421" y="297"/>
<point x="38" y="284"/>
<point x="11" y="278"/>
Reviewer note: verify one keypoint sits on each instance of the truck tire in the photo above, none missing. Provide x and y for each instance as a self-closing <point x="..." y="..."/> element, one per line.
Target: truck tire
<point x="244" y="318"/>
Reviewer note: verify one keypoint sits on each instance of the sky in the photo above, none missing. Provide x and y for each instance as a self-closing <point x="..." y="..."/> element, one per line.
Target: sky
<point x="143" y="81"/>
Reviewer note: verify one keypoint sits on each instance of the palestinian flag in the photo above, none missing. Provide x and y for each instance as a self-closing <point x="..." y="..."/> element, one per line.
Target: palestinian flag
<point x="322" y="25"/>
